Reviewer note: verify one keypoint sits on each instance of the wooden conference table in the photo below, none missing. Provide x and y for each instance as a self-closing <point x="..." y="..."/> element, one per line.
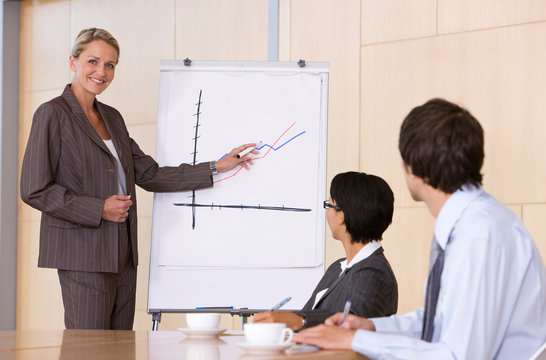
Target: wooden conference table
<point x="136" y="345"/>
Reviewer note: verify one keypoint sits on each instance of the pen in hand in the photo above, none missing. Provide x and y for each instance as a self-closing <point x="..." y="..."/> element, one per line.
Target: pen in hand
<point x="244" y="152"/>
<point x="345" y="311"/>
<point x="281" y="304"/>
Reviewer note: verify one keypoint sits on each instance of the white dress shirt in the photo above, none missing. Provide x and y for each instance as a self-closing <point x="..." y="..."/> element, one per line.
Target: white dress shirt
<point x="492" y="301"/>
<point x="121" y="175"/>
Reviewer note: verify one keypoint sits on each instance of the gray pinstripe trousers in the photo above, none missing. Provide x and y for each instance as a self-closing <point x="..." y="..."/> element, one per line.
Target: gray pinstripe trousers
<point x="99" y="300"/>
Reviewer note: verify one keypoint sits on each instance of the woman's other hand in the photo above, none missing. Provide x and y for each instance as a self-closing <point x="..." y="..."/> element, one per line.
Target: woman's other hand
<point x="116" y="208"/>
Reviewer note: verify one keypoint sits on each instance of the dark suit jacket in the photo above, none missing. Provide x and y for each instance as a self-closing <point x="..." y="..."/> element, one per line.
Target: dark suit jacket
<point x="369" y="284"/>
<point x="68" y="172"/>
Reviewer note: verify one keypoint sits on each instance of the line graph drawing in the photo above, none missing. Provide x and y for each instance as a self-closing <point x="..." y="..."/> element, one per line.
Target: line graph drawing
<point x="271" y="147"/>
<point x="195" y="205"/>
<point x="280" y="146"/>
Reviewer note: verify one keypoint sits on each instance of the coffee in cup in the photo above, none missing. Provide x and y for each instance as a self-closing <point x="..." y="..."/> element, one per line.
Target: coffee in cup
<point x="268" y="334"/>
<point x="202" y="320"/>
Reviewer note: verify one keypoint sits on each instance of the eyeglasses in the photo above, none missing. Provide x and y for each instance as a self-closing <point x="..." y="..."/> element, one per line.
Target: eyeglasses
<point x="327" y="204"/>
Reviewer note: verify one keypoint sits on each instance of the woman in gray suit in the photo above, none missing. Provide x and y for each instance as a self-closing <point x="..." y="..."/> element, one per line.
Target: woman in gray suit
<point x="359" y="210"/>
<point x="80" y="170"/>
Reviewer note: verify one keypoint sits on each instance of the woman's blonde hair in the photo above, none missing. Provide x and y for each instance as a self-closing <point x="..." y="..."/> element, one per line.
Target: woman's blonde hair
<point x="87" y="35"/>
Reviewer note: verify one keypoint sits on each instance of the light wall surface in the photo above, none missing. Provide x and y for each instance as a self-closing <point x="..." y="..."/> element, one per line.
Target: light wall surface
<point x="385" y="57"/>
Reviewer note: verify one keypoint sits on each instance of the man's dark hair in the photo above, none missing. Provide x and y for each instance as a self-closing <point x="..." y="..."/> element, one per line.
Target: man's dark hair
<point x="443" y="144"/>
<point x="367" y="203"/>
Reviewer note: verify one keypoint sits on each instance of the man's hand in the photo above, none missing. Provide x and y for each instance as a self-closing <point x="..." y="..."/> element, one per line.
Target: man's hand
<point x="351" y="322"/>
<point x="326" y="337"/>
<point x="292" y="320"/>
<point x="116" y="208"/>
<point x="230" y="161"/>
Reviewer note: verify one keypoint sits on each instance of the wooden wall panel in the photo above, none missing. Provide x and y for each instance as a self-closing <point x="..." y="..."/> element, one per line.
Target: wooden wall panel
<point x="392" y="20"/>
<point x="328" y="30"/>
<point x="44" y="45"/>
<point x="407" y="245"/>
<point x="466" y="15"/>
<point x="221" y="30"/>
<point x="284" y="29"/>
<point x="39" y="301"/>
<point x="498" y="74"/>
<point x="145" y="35"/>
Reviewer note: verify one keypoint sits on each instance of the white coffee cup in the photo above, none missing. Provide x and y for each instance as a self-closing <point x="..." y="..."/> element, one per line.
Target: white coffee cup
<point x="268" y="334"/>
<point x="203" y="320"/>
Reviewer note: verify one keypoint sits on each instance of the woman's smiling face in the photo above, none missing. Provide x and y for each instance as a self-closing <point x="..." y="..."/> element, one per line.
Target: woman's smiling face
<point x="95" y="67"/>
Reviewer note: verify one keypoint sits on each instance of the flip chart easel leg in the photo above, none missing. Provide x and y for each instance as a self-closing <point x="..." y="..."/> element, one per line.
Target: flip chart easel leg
<point x="156" y="319"/>
<point x="244" y="318"/>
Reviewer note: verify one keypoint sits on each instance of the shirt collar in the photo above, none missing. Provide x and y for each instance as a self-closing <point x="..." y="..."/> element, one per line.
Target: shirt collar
<point x="452" y="210"/>
<point x="362" y="254"/>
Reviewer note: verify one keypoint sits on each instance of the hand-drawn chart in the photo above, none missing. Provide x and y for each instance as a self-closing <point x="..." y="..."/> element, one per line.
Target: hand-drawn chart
<point x="193" y="204"/>
<point x="267" y="217"/>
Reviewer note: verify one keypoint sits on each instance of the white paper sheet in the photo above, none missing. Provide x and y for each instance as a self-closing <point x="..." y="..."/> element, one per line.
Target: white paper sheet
<point x="281" y="109"/>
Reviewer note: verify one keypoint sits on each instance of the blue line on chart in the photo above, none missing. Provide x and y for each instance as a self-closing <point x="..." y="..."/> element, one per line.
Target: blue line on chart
<point x="272" y="148"/>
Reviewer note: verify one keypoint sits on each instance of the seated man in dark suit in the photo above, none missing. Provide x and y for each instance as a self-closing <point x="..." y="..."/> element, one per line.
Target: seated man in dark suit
<point x="359" y="211"/>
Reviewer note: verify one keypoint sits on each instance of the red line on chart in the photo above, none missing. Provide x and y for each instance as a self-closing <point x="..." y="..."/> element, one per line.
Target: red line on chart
<point x="258" y="158"/>
<point x="275" y="143"/>
<point x="236" y="172"/>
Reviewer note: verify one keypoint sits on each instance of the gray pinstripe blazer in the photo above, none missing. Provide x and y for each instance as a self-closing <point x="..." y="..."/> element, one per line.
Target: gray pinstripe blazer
<point x="68" y="172"/>
<point x="369" y="284"/>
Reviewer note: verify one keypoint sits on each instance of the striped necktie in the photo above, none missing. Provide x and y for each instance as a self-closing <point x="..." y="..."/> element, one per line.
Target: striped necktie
<point x="433" y="289"/>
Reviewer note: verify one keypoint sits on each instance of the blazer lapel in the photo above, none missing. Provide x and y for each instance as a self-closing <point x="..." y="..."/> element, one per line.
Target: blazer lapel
<point x="341" y="278"/>
<point x="80" y="118"/>
<point x="116" y="135"/>
<point x="333" y="286"/>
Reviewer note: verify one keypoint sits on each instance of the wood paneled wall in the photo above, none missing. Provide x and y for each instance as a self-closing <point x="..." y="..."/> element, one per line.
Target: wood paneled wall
<point x="385" y="56"/>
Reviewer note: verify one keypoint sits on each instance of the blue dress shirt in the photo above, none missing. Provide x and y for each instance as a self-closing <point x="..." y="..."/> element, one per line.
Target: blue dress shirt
<point x="492" y="301"/>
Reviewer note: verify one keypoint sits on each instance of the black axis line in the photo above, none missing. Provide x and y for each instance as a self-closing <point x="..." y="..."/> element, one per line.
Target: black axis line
<point x="195" y="154"/>
<point x="255" y="207"/>
<point x="193" y="205"/>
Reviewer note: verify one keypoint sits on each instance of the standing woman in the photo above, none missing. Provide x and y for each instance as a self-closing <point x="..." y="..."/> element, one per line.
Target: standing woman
<point x="80" y="170"/>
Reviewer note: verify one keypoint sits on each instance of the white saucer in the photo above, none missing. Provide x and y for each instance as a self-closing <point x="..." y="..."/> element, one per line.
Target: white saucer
<point x="265" y="348"/>
<point x="202" y="333"/>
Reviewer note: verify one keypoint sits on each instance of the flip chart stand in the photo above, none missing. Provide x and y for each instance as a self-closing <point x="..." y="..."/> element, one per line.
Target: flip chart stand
<point x="244" y="313"/>
<point x="191" y="264"/>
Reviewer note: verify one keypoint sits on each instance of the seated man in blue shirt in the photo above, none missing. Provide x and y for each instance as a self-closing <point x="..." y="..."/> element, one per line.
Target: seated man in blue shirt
<point x="486" y="291"/>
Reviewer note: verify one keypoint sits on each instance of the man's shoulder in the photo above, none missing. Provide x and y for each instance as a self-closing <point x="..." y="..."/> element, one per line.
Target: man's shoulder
<point x="486" y="209"/>
<point x="486" y="217"/>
